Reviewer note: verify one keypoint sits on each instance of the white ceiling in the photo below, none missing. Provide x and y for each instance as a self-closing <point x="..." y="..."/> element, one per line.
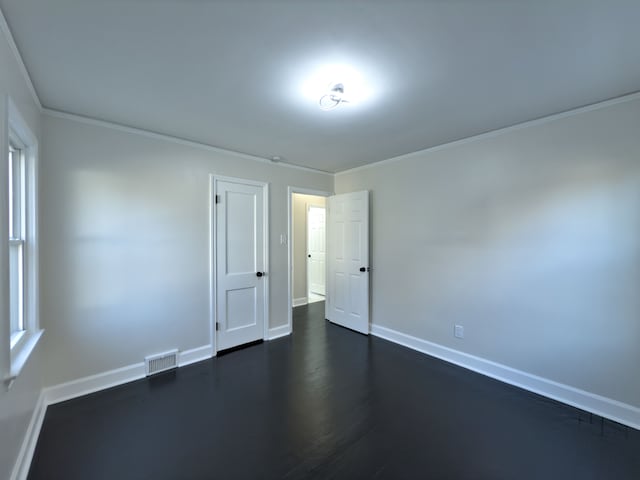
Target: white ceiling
<point x="229" y="73"/>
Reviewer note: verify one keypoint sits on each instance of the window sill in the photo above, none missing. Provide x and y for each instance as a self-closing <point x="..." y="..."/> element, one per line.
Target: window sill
<point x="20" y="354"/>
<point x="16" y="339"/>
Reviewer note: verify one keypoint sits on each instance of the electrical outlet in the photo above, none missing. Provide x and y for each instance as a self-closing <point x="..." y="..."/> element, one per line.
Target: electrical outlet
<point x="458" y="331"/>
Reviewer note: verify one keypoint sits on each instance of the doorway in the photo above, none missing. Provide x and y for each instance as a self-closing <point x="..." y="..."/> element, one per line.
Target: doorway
<point x="307" y="247"/>
<point x="308" y="244"/>
<point x="346" y="241"/>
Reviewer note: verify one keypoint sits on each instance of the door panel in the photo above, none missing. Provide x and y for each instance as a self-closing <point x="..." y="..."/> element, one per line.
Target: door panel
<point x="240" y="212"/>
<point x="240" y="255"/>
<point x="241" y="308"/>
<point x="348" y="254"/>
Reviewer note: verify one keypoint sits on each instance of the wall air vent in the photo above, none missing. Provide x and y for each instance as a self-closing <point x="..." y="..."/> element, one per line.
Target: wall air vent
<point x="160" y="362"/>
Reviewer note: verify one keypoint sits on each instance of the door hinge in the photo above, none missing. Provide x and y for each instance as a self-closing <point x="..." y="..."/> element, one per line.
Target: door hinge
<point x="217" y="326"/>
<point x="217" y="198"/>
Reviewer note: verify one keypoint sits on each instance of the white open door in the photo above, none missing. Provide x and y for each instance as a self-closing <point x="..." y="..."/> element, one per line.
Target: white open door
<point x="241" y="282"/>
<point x="316" y="246"/>
<point x="347" y="302"/>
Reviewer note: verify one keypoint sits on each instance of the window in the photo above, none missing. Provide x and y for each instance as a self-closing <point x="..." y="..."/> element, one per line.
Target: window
<point x="21" y="157"/>
<point x="17" y="223"/>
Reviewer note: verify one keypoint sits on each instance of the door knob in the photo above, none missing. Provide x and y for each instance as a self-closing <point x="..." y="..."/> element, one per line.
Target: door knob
<point x="309" y="255"/>
<point x="259" y="274"/>
<point x="363" y="269"/>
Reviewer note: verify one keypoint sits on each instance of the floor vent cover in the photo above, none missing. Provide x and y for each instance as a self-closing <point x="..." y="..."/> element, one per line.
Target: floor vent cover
<point x="161" y="362"/>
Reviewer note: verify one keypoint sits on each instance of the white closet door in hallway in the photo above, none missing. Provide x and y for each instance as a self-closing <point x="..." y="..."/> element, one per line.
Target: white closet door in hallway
<point x="316" y="249"/>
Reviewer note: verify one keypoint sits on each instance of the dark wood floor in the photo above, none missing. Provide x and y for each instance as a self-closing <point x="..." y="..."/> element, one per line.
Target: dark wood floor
<point x="327" y="403"/>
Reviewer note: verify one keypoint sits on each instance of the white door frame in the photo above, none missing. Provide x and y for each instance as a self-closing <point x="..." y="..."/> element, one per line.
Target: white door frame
<point x="212" y="253"/>
<point x="290" y="191"/>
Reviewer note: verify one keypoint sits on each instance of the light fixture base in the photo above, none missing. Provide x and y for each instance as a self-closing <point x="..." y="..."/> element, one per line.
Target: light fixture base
<point x="333" y="98"/>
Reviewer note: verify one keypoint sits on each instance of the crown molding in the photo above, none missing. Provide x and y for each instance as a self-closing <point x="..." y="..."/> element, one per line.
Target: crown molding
<point x="501" y="131"/>
<point x="4" y="26"/>
<point x="169" y="138"/>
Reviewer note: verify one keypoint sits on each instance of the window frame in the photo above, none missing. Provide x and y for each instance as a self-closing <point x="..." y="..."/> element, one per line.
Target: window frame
<point x="21" y="344"/>
<point x="17" y="224"/>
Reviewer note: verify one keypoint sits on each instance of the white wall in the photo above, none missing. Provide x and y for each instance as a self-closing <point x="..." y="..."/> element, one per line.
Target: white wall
<point x="18" y="403"/>
<point x="301" y="203"/>
<point x="530" y="239"/>
<point x="125" y="235"/>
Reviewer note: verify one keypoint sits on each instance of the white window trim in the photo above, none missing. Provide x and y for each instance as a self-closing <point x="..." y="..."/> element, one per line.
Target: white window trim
<point x="17" y="336"/>
<point x="22" y="344"/>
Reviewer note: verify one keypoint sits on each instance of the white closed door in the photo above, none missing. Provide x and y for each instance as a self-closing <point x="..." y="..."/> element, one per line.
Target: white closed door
<point x="316" y="255"/>
<point x="241" y="280"/>
<point x="347" y="302"/>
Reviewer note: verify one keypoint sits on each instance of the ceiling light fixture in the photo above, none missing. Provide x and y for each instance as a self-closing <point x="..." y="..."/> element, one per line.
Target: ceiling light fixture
<point x="326" y="86"/>
<point x="333" y="98"/>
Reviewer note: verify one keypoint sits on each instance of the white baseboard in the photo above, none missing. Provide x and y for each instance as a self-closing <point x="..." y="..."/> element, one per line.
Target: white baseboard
<point x="297" y="302"/>
<point x="28" y="447"/>
<point x="113" y="378"/>
<point x="279" y="332"/>
<point x="590" y="402"/>
<point x="195" y="355"/>
<point x="94" y="383"/>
